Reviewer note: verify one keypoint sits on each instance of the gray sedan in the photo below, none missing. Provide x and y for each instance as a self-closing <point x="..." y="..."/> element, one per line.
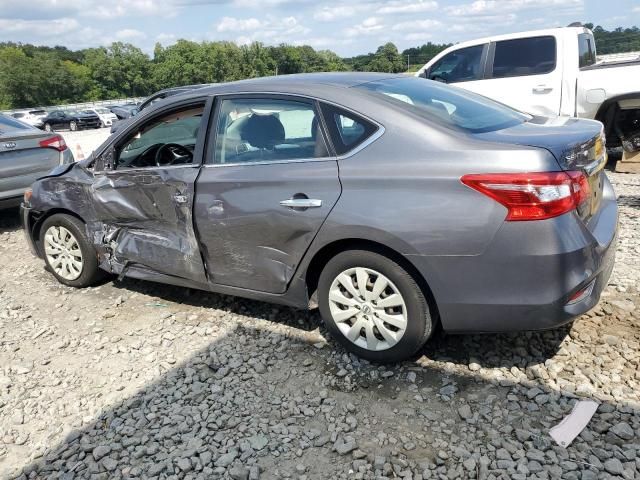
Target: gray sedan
<point x="391" y="203"/>
<point x="26" y="154"/>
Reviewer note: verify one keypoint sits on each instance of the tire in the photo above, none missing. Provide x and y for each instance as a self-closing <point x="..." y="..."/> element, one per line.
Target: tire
<point x="48" y="127"/>
<point x="412" y="322"/>
<point x="73" y="275"/>
<point x="73" y="126"/>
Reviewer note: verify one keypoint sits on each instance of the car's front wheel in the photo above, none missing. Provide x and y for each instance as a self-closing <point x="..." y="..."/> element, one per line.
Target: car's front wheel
<point x="48" y="127"/>
<point x="67" y="253"/>
<point x="373" y="306"/>
<point x="73" y="126"/>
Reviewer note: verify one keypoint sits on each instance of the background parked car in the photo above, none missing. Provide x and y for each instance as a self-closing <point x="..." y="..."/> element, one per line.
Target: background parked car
<point x="32" y="117"/>
<point x="106" y="116"/>
<point x="26" y="154"/>
<point x="123" y="111"/>
<point x="72" y="120"/>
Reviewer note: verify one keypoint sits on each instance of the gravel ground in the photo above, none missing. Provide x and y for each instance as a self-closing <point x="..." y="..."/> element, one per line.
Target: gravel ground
<point x="139" y="380"/>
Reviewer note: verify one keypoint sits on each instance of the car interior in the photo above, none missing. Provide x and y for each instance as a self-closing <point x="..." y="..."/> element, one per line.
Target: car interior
<point x="264" y="130"/>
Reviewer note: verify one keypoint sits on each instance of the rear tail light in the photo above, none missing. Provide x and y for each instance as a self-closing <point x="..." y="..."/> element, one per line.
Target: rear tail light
<point x="581" y="294"/>
<point x="533" y="196"/>
<point x="56" y="142"/>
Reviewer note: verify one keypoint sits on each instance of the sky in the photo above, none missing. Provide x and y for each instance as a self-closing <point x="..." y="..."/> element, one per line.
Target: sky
<point x="348" y="27"/>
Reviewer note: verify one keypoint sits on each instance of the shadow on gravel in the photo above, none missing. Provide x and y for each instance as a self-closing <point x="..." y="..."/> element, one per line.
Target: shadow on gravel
<point x="632" y="201"/>
<point x="10" y="220"/>
<point x="261" y="399"/>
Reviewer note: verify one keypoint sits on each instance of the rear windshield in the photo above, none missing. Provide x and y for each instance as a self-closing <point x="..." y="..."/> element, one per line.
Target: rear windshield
<point x="447" y="105"/>
<point x="8" y="124"/>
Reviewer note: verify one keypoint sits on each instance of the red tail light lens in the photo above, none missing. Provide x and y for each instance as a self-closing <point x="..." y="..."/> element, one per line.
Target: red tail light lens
<point x="56" y="142"/>
<point x="533" y="196"/>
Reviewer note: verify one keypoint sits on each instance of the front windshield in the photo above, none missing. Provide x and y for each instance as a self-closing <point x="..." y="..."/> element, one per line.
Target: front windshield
<point x="102" y="111"/>
<point x="447" y="105"/>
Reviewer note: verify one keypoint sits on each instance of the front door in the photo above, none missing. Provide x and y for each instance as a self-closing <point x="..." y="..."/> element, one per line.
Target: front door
<point x="144" y="202"/>
<point x="268" y="186"/>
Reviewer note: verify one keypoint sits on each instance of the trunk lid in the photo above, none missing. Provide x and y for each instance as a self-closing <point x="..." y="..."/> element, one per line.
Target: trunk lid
<point x="576" y="144"/>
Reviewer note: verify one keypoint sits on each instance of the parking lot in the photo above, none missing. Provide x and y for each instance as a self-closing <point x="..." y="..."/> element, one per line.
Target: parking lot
<point x="133" y="379"/>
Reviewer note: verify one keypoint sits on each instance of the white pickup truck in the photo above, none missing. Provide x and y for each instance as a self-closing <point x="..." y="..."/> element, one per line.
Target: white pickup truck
<point x="549" y="72"/>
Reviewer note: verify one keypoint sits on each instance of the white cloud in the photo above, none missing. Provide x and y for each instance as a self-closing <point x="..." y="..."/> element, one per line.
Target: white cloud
<point x="398" y="6"/>
<point x="489" y="7"/>
<point x="416" y="26"/>
<point x="40" y="28"/>
<point x="330" y="14"/>
<point x="369" y="26"/>
<point x="130" y="34"/>
<point x="231" y="24"/>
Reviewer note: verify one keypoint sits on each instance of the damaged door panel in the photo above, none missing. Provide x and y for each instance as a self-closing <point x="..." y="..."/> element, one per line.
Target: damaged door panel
<point x="146" y="220"/>
<point x="249" y="239"/>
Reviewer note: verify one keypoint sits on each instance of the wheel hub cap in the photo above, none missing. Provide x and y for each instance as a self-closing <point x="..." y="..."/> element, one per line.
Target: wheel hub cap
<point x="368" y="308"/>
<point x="63" y="252"/>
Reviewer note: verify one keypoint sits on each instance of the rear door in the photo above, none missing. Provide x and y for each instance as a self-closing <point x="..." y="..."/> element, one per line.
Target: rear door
<point x="269" y="184"/>
<point x="143" y="198"/>
<point x="22" y="159"/>
<point x="525" y="74"/>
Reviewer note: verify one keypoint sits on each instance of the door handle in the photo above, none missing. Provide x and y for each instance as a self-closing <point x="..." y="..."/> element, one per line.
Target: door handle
<point x="542" y="89"/>
<point x="301" y="203"/>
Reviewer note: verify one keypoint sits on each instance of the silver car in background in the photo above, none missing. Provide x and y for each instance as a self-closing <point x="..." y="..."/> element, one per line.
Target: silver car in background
<point x="26" y="154"/>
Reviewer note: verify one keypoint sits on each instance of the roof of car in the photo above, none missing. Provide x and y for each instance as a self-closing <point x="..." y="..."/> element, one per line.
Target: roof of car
<point x="297" y="81"/>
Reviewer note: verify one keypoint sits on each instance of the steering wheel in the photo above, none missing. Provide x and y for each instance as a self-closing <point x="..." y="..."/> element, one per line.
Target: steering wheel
<point x="175" y="149"/>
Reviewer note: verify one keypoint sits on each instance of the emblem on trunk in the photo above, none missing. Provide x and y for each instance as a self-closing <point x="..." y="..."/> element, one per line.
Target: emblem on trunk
<point x="10" y="145"/>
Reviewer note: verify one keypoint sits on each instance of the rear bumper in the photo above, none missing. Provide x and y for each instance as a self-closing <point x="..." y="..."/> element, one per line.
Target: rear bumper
<point x="525" y="279"/>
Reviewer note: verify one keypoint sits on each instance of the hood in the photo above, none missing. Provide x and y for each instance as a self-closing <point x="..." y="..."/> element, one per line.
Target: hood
<point x="566" y="137"/>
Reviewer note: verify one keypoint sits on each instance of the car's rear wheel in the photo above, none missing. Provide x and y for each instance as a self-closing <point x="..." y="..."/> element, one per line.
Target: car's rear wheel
<point x="48" y="127"/>
<point x="73" y="126"/>
<point x="67" y="253"/>
<point x="373" y="306"/>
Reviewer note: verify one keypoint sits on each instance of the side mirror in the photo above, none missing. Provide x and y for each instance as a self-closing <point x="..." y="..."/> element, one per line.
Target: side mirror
<point x="105" y="161"/>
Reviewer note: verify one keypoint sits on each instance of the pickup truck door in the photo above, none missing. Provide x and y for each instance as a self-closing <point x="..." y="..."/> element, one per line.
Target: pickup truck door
<point x="268" y="186"/>
<point x="463" y="67"/>
<point x="526" y="74"/>
<point x="143" y="199"/>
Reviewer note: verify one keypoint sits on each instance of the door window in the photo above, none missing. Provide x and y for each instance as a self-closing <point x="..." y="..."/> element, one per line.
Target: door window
<point x="524" y="56"/>
<point x="586" y="46"/>
<point x="267" y="130"/>
<point x="161" y="142"/>
<point x="347" y="129"/>
<point x="459" y="66"/>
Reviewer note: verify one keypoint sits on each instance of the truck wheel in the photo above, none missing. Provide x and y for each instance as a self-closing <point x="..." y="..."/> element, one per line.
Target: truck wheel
<point x="373" y="306"/>
<point x="67" y="253"/>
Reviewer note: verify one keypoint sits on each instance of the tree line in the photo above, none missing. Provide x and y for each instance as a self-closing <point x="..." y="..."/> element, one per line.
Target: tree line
<point x="36" y="75"/>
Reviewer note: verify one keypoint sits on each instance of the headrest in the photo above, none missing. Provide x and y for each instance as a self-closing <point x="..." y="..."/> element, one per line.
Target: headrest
<point x="263" y="131"/>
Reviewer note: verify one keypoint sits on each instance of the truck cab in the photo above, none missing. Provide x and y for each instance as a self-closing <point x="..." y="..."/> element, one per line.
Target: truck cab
<point x="552" y="72"/>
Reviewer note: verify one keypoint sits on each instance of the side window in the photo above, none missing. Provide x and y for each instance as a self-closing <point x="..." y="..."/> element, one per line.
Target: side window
<point x="267" y="129"/>
<point x="161" y="142"/>
<point x="524" y="56"/>
<point x="459" y="66"/>
<point x="346" y="129"/>
<point x="586" y="47"/>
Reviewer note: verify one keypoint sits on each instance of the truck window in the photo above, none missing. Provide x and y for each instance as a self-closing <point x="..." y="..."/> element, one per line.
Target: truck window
<point x="587" y="49"/>
<point x="524" y="56"/>
<point x="458" y="66"/>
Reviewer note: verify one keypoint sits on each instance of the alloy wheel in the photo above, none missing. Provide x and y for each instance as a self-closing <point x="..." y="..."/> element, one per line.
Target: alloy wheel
<point x="368" y="308"/>
<point x="63" y="252"/>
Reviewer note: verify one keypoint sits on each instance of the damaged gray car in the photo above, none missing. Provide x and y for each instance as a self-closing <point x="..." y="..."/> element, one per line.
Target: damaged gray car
<point x="391" y="203"/>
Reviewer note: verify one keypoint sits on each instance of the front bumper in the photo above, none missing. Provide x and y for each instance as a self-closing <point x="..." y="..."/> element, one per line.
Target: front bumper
<point x="525" y="279"/>
<point x="28" y="222"/>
